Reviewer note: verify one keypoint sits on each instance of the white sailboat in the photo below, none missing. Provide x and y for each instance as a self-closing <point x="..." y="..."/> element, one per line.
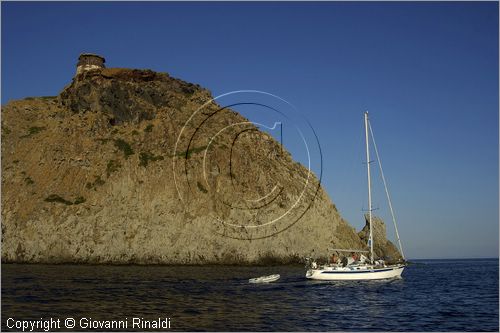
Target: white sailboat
<point x="362" y="269"/>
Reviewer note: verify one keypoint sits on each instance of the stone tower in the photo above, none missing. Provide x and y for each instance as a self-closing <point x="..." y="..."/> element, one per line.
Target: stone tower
<point x="89" y="61"/>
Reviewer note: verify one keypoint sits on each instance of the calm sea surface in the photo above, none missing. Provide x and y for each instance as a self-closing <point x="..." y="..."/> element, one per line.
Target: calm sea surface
<point x="433" y="295"/>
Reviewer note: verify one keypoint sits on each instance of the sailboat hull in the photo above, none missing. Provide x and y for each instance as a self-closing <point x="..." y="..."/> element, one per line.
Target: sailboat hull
<point x="347" y="273"/>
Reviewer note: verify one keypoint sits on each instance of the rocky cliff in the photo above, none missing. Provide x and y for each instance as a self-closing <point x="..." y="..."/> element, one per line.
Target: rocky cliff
<point x="382" y="247"/>
<point x="119" y="168"/>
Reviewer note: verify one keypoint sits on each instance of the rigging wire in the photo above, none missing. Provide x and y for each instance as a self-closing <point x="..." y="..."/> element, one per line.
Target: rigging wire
<point x="386" y="190"/>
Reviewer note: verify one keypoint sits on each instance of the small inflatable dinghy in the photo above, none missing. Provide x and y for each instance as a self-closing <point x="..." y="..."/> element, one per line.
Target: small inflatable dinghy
<point x="265" y="279"/>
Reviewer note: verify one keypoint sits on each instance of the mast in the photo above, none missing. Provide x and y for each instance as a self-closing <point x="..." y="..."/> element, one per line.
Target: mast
<point x="369" y="186"/>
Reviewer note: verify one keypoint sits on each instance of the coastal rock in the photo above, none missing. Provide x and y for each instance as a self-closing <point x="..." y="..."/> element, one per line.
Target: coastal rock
<point x="103" y="174"/>
<point x="382" y="247"/>
<point x="124" y="94"/>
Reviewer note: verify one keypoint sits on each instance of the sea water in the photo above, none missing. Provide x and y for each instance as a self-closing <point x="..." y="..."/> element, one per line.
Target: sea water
<point x="433" y="295"/>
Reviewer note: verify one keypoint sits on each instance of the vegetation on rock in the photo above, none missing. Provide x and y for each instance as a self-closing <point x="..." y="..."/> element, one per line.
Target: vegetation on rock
<point x="33" y="130"/>
<point x="124" y="147"/>
<point x="145" y="157"/>
<point x="112" y="166"/>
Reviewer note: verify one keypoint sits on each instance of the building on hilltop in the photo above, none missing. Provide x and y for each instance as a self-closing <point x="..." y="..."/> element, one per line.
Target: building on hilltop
<point x="89" y="61"/>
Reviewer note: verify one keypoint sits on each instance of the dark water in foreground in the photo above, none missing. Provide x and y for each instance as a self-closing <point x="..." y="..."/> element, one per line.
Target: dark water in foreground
<point x="434" y="295"/>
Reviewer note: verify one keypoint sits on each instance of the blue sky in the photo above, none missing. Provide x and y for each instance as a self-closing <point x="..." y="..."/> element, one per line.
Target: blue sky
<point x="426" y="71"/>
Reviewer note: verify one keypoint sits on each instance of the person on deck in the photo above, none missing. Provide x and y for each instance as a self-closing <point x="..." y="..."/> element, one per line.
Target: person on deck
<point x="334" y="259"/>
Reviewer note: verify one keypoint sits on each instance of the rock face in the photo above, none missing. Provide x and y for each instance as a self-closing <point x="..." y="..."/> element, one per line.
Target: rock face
<point x="382" y="247"/>
<point x="119" y="168"/>
<point x="124" y="95"/>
